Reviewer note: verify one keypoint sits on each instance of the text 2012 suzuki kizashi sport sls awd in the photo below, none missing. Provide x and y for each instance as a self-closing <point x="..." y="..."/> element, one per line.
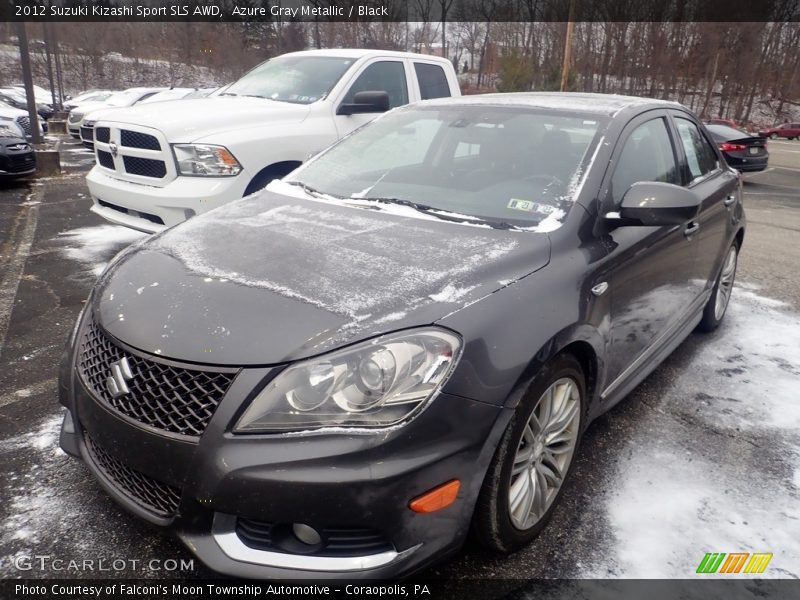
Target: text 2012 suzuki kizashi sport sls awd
<point x="405" y="338"/>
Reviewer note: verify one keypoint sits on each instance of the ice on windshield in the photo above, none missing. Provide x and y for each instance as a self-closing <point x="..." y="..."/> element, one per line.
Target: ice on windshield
<point x="296" y="79"/>
<point x="508" y="166"/>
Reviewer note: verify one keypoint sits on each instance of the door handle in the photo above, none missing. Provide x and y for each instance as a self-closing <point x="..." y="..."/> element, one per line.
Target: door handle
<point x="691" y="229"/>
<point x="729" y="200"/>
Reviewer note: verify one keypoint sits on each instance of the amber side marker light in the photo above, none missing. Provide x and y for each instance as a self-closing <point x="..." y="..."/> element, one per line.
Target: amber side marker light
<point x="436" y="499"/>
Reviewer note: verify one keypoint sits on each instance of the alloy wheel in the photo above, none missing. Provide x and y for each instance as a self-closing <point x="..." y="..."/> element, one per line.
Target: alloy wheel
<point x="725" y="285"/>
<point x="544" y="453"/>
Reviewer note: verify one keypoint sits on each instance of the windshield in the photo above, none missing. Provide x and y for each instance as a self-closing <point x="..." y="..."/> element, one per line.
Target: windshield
<point x="507" y="166"/>
<point x="296" y="79"/>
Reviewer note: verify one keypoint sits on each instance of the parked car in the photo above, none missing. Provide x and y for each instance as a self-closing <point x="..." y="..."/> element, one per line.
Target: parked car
<point x="789" y="131"/>
<point x="17" y="157"/>
<point x="169" y="94"/>
<point x="92" y="96"/>
<point x="81" y="118"/>
<point x="77" y="116"/>
<point x="178" y="159"/>
<point x="18" y="99"/>
<point x="20" y="118"/>
<point x="741" y="150"/>
<point x="727" y="122"/>
<point x="406" y="337"/>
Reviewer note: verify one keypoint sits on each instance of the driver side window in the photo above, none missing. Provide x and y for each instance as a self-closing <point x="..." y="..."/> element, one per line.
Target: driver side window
<point x="385" y="76"/>
<point x="648" y="155"/>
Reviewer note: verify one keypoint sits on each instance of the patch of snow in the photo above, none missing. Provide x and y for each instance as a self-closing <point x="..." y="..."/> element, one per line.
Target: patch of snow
<point x="675" y="496"/>
<point x="94" y="246"/>
<point x="451" y="293"/>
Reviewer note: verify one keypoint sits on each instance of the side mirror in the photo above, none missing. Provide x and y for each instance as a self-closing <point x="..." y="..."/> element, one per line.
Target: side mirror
<point x="653" y="203"/>
<point x="366" y="102"/>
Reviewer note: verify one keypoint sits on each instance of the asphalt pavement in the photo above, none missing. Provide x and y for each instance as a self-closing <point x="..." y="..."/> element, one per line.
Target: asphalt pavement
<point x="704" y="456"/>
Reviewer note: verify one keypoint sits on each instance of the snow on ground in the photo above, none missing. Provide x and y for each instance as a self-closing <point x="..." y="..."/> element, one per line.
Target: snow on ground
<point x="94" y="246"/>
<point x="736" y="488"/>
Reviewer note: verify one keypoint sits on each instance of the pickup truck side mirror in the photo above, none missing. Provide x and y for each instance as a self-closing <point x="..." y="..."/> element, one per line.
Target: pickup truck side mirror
<point x="365" y="102"/>
<point x="653" y="203"/>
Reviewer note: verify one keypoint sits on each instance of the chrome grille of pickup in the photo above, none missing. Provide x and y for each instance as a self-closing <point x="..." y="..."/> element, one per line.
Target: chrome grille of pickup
<point x="164" y="396"/>
<point x="136" y="139"/>
<point x="140" y="154"/>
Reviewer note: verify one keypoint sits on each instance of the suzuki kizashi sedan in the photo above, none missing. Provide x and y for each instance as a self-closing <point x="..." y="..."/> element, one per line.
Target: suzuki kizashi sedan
<point x="406" y="337"/>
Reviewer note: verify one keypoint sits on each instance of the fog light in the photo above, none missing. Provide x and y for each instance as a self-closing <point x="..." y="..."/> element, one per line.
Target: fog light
<point x="306" y="534"/>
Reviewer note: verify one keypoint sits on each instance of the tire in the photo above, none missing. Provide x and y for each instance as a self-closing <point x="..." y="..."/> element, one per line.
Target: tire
<point x="717" y="304"/>
<point x="774" y="136"/>
<point x="498" y="526"/>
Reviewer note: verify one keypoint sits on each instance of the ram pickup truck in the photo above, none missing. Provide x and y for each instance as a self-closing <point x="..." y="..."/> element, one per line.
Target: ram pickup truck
<point x="160" y="164"/>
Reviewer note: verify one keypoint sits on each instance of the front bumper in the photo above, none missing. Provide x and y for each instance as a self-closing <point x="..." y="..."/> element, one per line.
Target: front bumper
<point x="324" y="480"/>
<point x="151" y="208"/>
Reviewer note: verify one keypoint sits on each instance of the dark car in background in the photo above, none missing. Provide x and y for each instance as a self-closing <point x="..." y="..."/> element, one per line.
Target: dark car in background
<point x="742" y="151"/>
<point x="17" y="157"/>
<point x="405" y="339"/>
<point x="790" y="131"/>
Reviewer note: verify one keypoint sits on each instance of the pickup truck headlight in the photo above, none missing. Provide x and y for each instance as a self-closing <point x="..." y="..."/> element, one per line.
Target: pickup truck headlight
<point x="204" y="160"/>
<point x="374" y="384"/>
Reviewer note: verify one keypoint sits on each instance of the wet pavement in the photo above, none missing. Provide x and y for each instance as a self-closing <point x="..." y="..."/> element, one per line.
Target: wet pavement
<point x="704" y="456"/>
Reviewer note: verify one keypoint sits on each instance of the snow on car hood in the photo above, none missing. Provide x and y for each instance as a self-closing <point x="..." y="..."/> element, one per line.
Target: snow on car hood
<point x="189" y="120"/>
<point x="271" y="279"/>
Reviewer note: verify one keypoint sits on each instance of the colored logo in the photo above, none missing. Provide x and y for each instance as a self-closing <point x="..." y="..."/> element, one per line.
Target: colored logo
<point x="735" y="562"/>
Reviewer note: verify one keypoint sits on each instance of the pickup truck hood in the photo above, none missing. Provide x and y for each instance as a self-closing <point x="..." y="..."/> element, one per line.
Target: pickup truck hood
<point x="272" y="278"/>
<point x="183" y="121"/>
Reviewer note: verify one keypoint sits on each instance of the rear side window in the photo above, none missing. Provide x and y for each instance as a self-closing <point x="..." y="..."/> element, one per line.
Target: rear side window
<point x="647" y="156"/>
<point x="432" y="81"/>
<point x="385" y="76"/>
<point x="699" y="154"/>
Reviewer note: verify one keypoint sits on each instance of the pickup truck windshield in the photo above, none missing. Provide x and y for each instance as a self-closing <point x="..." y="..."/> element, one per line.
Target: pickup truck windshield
<point x="506" y="166"/>
<point x="296" y="79"/>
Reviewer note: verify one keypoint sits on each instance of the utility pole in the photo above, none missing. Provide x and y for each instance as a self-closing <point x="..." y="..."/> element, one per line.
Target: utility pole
<point x="568" y="47"/>
<point x="27" y="79"/>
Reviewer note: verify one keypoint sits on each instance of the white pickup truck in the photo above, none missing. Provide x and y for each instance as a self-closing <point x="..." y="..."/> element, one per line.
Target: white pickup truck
<point x="160" y="164"/>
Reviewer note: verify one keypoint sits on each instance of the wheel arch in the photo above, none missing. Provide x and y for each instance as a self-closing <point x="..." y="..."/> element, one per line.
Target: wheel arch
<point x="272" y="171"/>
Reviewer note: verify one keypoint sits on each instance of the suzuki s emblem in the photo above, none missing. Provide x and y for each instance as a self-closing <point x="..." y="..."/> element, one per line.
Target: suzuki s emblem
<point x="120" y="374"/>
<point x="114" y="149"/>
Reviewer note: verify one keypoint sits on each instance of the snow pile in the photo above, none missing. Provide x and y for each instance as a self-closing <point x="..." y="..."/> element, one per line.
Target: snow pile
<point x="95" y="246"/>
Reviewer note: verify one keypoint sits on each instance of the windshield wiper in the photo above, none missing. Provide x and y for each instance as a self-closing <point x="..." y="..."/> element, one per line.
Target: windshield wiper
<point x="440" y="213"/>
<point x="228" y="94"/>
<point x="311" y="191"/>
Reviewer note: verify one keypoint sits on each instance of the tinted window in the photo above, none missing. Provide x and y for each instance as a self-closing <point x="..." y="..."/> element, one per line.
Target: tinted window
<point x="432" y="81"/>
<point x="700" y="156"/>
<point x="385" y="76"/>
<point x="646" y="156"/>
<point x="727" y="133"/>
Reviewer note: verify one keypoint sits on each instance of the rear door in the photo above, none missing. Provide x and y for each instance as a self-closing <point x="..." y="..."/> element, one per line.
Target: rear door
<point x="703" y="171"/>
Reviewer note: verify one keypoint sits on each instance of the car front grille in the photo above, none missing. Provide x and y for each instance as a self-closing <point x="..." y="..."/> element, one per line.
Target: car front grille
<point x="105" y="159"/>
<point x="18" y="163"/>
<point x="87" y="134"/>
<point x="146" y="167"/>
<point x="157" y="497"/>
<point x="102" y="134"/>
<point x="163" y="396"/>
<point x="344" y="542"/>
<point x="137" y="139"/>
<point x="134" y="213"/>
<point x="25" y="123"/>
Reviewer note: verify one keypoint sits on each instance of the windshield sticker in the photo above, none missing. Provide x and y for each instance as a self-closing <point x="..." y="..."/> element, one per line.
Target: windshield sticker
<point x="530" y="206"/>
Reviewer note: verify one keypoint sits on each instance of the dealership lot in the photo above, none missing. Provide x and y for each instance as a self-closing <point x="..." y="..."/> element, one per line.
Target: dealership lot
<point x="704" y="456"/>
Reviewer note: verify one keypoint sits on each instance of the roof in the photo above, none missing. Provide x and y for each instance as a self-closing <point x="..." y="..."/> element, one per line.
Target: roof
<point x="601" y="104"/>
<point x="365" y="52"/>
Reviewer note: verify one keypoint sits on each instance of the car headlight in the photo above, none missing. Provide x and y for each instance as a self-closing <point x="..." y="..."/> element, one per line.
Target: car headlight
<point x="374" y="384"/>
<point x="205" y="160"/>
<point x="89" y="123"/>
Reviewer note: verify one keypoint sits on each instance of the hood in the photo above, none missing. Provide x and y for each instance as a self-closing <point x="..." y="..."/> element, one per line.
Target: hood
<point x="12" y="113"/>
<point x="189" y="120"/>
<point x="272" y="278"/>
